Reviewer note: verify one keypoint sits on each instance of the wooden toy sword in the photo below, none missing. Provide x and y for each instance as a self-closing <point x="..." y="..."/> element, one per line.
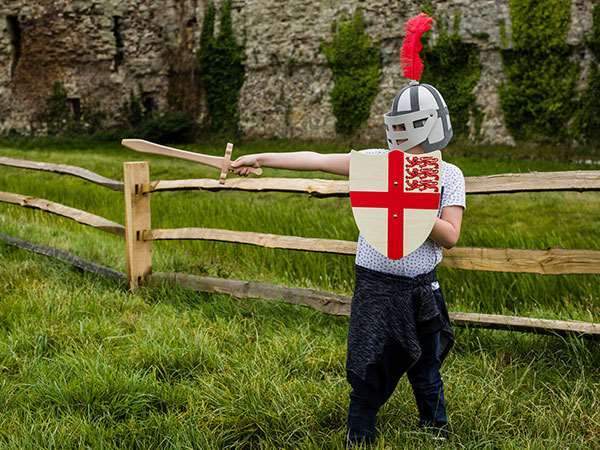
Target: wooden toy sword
<point x="220" y="162"/>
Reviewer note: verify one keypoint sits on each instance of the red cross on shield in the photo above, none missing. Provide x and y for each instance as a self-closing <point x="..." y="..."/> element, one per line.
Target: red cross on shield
<point x="395" y="198"/>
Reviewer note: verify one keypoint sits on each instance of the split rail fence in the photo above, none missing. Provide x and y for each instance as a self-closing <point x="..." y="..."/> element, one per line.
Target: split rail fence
<point x="138" y="188"/>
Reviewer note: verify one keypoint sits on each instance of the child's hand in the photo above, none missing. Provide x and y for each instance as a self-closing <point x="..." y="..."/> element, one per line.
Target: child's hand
<point x="242" y="164"/>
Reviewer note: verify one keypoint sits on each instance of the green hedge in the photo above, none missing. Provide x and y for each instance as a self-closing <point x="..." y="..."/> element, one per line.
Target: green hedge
<point x="356" y="66"/>
<point x="588" y="117"/>
<point x="453" y="68"/>
<point x="60" y="119"/>
<point x="222" y="70"/>
<point x="538" y="98"/>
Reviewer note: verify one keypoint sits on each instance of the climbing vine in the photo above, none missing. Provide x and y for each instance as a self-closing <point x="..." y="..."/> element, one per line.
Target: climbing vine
<point x="538" y="98"/>
<point x="137" y="119"/>
<point x="222" y="70"/>
<point x="453" y="67"/>
<point x="64" y="116"/>
<point x="588" y="116"/>
<point x="356" y="66"/>
<point x="593" y="40"/>
<point x="57" y="115"/>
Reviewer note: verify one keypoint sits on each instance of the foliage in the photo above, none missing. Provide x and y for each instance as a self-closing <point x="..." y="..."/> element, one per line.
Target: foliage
<point x="222" y="70"/>
<point x="588" y="115"/>
<point x="60" y="119"/>
<point x="593" y="39"/>
<point x="453" y="67"/>
<point x="356" y="66"/>
<point x="163" y="127"/>
<point x="538" y="98"/>
<point x="57" y="114"/>
<point x="168" y="126"/>
<point x="132" y="110"/>
<point x="134" y="120"/>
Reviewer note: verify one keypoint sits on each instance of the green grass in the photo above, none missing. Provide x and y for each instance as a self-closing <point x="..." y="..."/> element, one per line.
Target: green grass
<point x="86" y="363"/>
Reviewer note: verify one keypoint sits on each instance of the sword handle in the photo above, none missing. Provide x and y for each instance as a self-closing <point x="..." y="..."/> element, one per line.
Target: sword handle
<point x="255" y="170"/>
<point x="227" y="165"/>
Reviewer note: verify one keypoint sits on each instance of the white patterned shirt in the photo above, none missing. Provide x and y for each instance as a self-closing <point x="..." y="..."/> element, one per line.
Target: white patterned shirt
<point x="429" y="254"/>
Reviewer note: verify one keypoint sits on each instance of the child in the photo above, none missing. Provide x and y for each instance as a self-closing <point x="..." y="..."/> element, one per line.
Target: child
<point x="398" y="321"/>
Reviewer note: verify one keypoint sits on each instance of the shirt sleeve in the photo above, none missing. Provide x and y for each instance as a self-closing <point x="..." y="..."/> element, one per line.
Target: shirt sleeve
<point x="454" y="190"/>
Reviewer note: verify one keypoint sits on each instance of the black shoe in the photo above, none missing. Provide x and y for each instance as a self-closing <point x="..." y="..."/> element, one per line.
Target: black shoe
<point x="354" y="440"/>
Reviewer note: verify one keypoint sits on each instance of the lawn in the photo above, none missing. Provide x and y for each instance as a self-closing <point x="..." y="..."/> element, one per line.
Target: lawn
<point x="86" y="363"/>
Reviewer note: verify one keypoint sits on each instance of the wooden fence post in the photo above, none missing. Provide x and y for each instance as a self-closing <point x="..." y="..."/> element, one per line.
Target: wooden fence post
<point x="137" y="219"/>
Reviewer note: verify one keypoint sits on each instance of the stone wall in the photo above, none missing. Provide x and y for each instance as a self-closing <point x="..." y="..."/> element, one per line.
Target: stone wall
<point x="104" y="50"/>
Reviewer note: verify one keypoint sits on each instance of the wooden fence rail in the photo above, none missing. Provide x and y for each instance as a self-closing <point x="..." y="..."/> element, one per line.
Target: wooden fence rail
<point x="336" y="304"/>
<point x="64" y="170"/>
<point x="77" y="215"/>
<point x="139" y="236"/>
<point x="65" y="257"/>
<point x="554" y="261"/>
<point x="326" y="302"/>
<point x="579" y="181"/>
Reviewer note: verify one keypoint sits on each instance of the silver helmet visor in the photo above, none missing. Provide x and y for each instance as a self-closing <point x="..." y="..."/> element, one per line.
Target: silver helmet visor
<point x="405" y="131"/>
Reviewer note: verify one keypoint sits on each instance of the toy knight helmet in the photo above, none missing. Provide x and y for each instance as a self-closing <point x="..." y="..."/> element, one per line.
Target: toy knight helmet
<point x="419" y="114"/>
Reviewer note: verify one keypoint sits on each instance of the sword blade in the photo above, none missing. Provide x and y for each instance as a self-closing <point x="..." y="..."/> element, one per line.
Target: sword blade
<point x="140" y="145"/>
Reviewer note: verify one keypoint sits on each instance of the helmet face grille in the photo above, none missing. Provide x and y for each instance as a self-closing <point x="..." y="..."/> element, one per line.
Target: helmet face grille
<point x="418" y="98"/>
<point x="404" y="131"/>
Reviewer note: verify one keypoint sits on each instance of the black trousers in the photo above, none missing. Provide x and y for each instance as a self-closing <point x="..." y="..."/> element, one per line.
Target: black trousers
<point x="369" y="395"/>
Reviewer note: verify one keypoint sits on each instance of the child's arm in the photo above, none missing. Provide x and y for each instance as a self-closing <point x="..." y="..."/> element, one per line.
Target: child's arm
<point x="338" y="163"/>
<point x="446" y="229"/>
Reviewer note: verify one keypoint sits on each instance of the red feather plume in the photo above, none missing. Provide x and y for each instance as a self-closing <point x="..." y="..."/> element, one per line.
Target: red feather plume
<point x="410" y="61"/>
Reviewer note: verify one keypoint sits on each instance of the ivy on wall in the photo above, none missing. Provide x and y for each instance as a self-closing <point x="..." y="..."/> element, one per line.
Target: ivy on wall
<point x="356" y="66"/>
<point x="62" y="115"/>
<point x="140" y="120"/>
<point x="588" y="116"/>
<point x="65" y="116"/>
<point x="222" y="70"/>
<point x="593" y="40"/>
<point x="453" y="68"/>
<point x="538" y="98"/>
<point x="57" y="115"/>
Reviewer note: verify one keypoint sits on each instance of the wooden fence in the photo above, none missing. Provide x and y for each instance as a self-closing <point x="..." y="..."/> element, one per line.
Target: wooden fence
<point x="138" y="188"/>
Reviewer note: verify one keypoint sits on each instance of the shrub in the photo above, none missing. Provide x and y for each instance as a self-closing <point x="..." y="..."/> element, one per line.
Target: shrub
<point x="538" y="98"/>
<point x="222" y="70"/>
<point x="356" y="66"/>
<point x="453" y="67"/>
<point x="588" y="116"/>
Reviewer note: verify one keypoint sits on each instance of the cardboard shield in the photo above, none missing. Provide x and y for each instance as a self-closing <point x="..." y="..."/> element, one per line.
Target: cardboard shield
<point x="395" y="198"/>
